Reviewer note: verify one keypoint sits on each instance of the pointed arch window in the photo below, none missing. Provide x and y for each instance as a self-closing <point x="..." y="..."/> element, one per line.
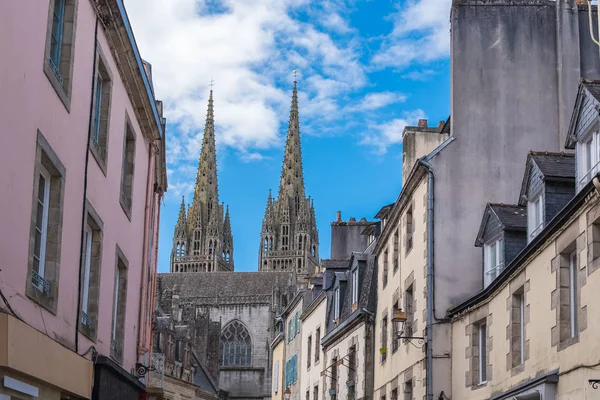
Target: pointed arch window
<point x="227" y="257"/>
<point x="266" y="244"/>
<point x="314" y="251"/>
<point x="236" y="345"/>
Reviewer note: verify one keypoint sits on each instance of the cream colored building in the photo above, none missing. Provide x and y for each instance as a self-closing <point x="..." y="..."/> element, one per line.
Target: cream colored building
<point x="313" y="329"/>
<point x="278" y="362"/>
<point x="400" y="364"/>
<point x="532" y="333"/>
<point x="293" y="347"/>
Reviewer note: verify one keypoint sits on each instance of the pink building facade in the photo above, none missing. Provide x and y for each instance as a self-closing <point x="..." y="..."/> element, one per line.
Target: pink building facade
<point x="82" y="171"/>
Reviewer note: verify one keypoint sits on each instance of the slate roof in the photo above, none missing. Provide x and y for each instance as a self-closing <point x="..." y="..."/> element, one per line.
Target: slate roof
<point x="334" y="264"/>
<point x="593" y="87"/>
<point x="510" y="215"/>
<point x="224" y="284"/>
<point x="554" y="165"/>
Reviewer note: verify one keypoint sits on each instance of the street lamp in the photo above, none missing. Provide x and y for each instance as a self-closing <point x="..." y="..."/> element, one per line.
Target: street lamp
<point x="287" y="394"/>
<point x="399" y="321"/>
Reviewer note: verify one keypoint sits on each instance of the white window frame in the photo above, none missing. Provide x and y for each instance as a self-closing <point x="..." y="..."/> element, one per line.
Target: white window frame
<point x="43" y="172"/>
<point x="276" y="377"/>
<point x="573" y="293"/>
<point x="355" y="286"/>
<point x="535" y="216"/>
<point x="89" y="235"/>
<point x="493" y="254"/>
<point x="482" y="334"/>
<point x="336" y="303"/>
<point x="588" y="157"/>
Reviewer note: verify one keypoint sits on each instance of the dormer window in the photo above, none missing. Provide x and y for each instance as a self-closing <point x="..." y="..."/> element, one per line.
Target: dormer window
<point x="494" y="260"/>
<point x="535" y="215"/>
<point x="588" y="154"/>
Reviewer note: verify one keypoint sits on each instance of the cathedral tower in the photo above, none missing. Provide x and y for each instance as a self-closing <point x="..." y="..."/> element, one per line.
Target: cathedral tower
<point x="289" y="240"/>
<point x="203" y="241"/>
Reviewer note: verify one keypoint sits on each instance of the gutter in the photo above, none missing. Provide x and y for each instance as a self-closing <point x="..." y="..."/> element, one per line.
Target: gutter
<point x="344" y="326"/>
<point x="430" y="280"/>
<point x="85" y="184"/>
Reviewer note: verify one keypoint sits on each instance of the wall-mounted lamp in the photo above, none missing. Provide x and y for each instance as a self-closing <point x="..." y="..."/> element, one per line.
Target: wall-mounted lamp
<point x="399" y="320"/>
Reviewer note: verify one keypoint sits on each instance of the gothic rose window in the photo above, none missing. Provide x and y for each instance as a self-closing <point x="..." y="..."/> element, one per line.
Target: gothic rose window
<point x="236" y="345"/>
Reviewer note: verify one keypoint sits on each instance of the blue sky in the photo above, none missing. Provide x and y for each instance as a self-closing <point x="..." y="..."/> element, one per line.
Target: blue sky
<point x="366" y="70"/>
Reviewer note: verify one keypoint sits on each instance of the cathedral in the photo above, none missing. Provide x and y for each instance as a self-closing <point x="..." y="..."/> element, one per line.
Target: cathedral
<point x="202" y="298"/>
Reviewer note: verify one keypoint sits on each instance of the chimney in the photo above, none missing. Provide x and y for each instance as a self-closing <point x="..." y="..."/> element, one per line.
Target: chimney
<point x="339" y="217"/>
<point x="441" y="124"/>
<point x="422" y="123"/>
<point x="352" y="219"/>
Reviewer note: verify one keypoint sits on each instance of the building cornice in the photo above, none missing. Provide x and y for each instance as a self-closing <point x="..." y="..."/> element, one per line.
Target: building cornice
<point x="124" y="48"/>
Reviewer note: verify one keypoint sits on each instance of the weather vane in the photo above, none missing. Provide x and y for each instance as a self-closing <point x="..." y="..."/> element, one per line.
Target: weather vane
<point x="212" y="83"/>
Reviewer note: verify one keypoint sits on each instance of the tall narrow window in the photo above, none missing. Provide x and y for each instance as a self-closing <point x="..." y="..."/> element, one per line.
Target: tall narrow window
<point x="494" y="260"/>
<point x="127" y="170"/>
<point x="352" y="363"/>
<point x="276" y="377"/>
<point x="309" y="351"/>
<point x="385" y="268"/>
<point x="588" y="154"/>
<point x="100" y="122"/>
<point x="395" y="334"/>
<point x="396" y="251"/>
<point x="45" y="231"/>
<point x="178" y="350"/>
<point x="87" y="269"/>
<point x="409" y="228"/>
<point x="573" y="293"/>
<point x="410" y="312"/>
<point x="408" y="390"/>
<point x="316" y="392"/>
<point x="384" y="335"/>
<point x="58" y="16"/>
<point x="521" y="303"/>
<point x="58" y="57"/>
<point x="119" y="307"/>
<point x="535" y="215"/>
<point x="482" y="356"/>
<point x="41" y="231"/>
<point x="334" y="371"/>
<point x="317" y="345"/>
<point x="355" y="286"/>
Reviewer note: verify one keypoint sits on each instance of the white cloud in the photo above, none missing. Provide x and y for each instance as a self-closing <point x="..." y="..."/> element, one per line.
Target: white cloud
<point x="419" y="75"/>
<point x="249" y="48"/>
<point x="374" y="101"/>
<point x="420" y="35"/>
<point x="381" y="136"/>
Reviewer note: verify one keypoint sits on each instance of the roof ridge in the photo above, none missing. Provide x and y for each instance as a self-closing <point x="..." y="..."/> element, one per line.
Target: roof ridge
<point x="550" y="153"/>
<point x="504" y="205"/>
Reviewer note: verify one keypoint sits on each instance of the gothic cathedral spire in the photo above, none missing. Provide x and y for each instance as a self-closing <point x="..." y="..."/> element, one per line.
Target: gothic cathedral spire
<point x="203" y="241"/>
<point x="289" y="239"/>
<point x="292" y="177"/>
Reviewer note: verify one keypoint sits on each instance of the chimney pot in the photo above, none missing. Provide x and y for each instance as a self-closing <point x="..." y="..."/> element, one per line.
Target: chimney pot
<point x="339" y="217"/>
<point x="441" y="124"/>
<point x="422" y="123"/>
<point x="352" y="219"/>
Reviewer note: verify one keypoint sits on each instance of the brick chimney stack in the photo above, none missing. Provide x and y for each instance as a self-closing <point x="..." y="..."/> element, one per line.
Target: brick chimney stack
<point x="422" y="123"/>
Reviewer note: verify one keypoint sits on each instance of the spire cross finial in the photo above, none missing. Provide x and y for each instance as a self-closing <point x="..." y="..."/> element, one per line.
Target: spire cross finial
<point x="295" y="74"/>
<point x="212" y="83"/>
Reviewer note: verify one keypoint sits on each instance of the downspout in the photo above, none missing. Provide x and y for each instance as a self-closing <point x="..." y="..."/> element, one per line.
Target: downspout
<point x="369" y="330"/>
<point x="85" y="183"/>
<point x="430" y="281"/>
<point x="144" y="302"/>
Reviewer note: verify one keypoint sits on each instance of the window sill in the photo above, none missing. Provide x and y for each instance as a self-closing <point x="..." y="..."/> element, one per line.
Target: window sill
<point x="479" y="386"/>
<point x="88" y="332"/>
<point x="568" y="343"/>
<point x="46" y="301"/>
<point x="101" y="161"/>
<point x="517" y="369"/>
<point x="58" y="87"/>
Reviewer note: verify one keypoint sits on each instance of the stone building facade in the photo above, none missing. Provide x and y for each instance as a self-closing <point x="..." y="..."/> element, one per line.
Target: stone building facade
<point x="203" y="241"/>
<point x="289" y="240"/>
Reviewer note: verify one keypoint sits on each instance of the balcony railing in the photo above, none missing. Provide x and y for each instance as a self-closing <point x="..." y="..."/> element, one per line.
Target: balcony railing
<point x="40" y="283"/>
<point x="87" y="320"/>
